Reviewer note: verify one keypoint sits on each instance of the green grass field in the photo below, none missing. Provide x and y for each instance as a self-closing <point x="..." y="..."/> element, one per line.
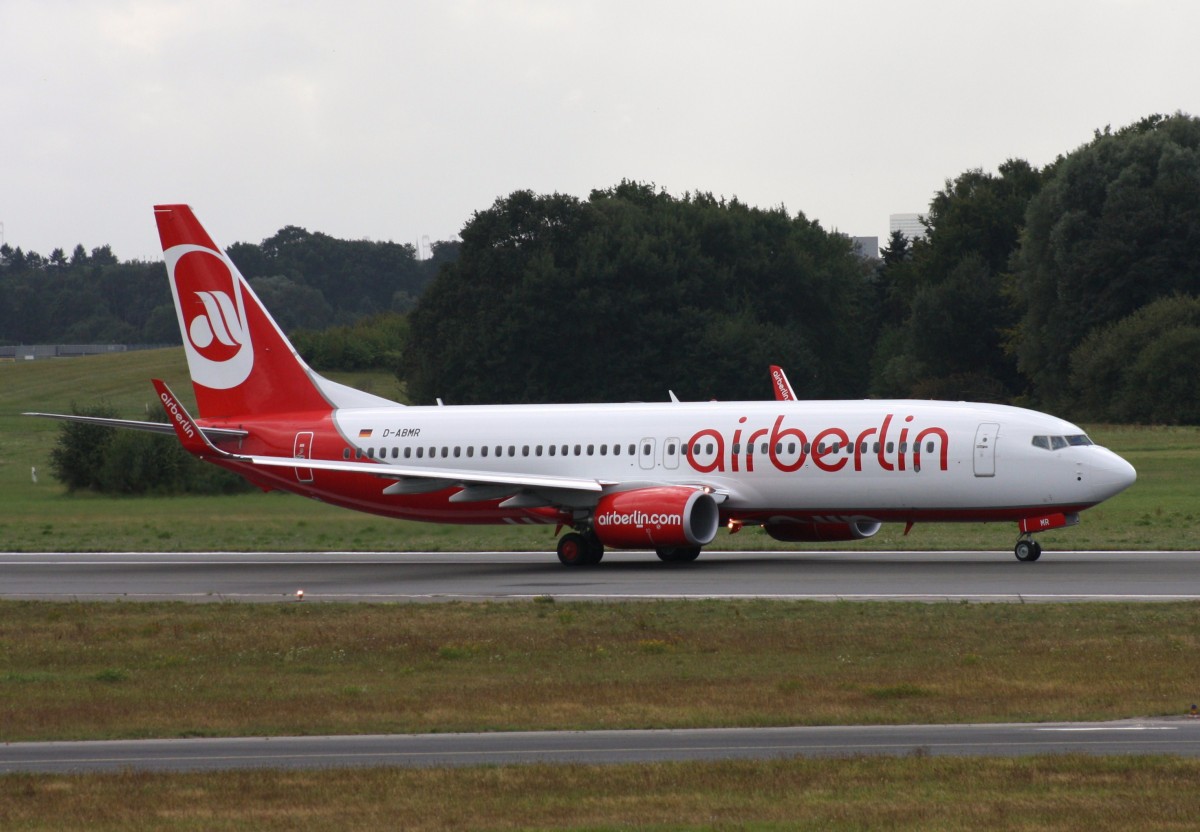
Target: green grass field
<point x="1162" y="511"/>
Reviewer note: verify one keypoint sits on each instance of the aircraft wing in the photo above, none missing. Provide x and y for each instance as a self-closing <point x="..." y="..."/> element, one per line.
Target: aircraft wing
<point x="451" y="476"/>
<point x="213" y="434"/>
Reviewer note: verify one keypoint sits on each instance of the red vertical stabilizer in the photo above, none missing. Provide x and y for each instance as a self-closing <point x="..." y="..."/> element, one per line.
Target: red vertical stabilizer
<point x="240" y="361"/>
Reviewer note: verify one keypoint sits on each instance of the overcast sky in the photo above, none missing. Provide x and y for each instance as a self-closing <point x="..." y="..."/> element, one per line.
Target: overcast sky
<point x="398" y="120"/>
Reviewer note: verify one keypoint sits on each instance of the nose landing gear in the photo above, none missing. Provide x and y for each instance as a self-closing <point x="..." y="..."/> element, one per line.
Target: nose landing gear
<point x="1027" y="549"/>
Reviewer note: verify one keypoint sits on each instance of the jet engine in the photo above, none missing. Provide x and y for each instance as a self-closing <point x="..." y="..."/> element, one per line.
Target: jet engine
<point x="810" y="531"/>
<point x="656" y="517"/>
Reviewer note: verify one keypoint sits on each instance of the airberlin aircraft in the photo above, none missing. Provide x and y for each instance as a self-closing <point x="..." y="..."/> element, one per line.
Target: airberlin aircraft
<point x="663" y="476"/>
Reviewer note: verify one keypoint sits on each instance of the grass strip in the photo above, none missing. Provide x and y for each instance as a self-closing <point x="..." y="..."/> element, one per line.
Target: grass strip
<point x="938" y="793"/>
<point x="127" y="670"/>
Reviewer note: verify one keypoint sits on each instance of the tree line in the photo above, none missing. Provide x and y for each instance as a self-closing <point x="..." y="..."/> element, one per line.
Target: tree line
<point x="308" y="280"/>
<point x="1072" y="287"/>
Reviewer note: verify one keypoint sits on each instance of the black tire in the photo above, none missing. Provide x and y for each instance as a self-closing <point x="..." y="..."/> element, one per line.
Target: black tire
<point x="595" y="549"/>
<point x="573" y="549"/>
<point x="1027" y="551"/>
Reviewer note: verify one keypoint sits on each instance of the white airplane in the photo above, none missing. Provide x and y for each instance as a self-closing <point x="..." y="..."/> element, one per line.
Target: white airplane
<point x="663" y="476"/>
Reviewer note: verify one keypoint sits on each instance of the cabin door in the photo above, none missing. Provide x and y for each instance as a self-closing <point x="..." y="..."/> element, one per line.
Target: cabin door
<point x="985" y="449"/>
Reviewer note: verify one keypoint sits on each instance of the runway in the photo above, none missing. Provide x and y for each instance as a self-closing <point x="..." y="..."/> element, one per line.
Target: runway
<point x="496" y="576"/>
<point x="1163" y="736"/>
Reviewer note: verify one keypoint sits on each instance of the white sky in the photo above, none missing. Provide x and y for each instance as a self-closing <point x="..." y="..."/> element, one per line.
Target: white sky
<point x="395" y="120"/>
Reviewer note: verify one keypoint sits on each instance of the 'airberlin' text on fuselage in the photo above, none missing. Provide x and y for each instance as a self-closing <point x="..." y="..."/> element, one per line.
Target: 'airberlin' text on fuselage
<point x="831" y="449"/>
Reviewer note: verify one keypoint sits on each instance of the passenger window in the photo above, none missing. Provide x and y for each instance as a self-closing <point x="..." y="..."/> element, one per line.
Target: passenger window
<point x="524" y="450"/>
<point x="408" y="453"/>
<point x="646" y="450"/>
<point x="470" y="450"/>
<point x="617" y="450"/>
<point x="370" y="453"/>
<point x="671" y="449"/>
<point x="631" y="449"/>
<point x="591" y="449"/>
<point x="537" y="451"/>
<point x="512" y="450"/>
<point x="603" y="450"/>
<point x="396" y="452"/>
<point x="345" y="453"/>
<point x="420" y="453"/>
<point x="553" y="449"/>
<point x="457" y="451"/>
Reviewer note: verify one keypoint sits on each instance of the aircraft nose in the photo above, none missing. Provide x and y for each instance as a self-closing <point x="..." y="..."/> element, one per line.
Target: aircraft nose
<point x="1112" y="474"/>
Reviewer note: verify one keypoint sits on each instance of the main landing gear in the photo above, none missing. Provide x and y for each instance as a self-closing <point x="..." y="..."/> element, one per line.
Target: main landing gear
<point x="580" y="549"/>
<point x="1027" y="549"/>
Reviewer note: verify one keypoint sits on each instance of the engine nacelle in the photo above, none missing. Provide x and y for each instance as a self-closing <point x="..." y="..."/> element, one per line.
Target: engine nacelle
<point x="661" y="516"/>
<point x="807" y="531"/>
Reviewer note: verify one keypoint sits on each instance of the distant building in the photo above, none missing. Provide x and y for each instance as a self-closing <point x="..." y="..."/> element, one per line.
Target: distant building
<point x="34" y="352"/>
<point x="907" y="224"/>
<point x="867" y="247"/>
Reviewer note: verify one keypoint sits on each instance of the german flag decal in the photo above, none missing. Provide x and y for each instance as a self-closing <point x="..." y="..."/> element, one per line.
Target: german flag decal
<point x="365" y="433"/>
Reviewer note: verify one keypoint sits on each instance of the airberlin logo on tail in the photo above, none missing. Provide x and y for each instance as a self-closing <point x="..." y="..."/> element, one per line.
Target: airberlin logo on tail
<point x="217" y="332"/>
<point x="209" y="301"/>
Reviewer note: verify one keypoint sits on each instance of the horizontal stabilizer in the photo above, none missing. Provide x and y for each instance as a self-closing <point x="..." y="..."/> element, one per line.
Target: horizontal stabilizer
<point x="213" y="434"/>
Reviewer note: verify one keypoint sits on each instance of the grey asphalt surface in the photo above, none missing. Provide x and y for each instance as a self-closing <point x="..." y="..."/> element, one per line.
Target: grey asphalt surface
<point x="421" y="576"/>
<point x="1177" y="736"/>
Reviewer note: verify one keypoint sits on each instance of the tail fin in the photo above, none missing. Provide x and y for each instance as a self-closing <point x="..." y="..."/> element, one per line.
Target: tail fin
<point x="240" y="361"/>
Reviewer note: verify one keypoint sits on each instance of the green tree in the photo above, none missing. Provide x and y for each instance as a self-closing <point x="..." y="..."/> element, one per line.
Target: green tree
<point x="1116" y="227"/>
<point x="945" y="311"/>
<point x="1143" y="367"/>
<point x="633" y="292"/>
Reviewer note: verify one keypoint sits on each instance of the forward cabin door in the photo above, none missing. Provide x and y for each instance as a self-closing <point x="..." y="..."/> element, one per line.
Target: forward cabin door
<point x="985" y="449"/>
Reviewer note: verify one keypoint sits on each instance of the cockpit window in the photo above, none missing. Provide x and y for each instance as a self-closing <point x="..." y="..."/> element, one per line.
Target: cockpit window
<point x="1055" y="443"/>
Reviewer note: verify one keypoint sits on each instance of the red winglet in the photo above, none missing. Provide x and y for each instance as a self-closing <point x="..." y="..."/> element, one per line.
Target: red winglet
<point x="783" y="390"/>
<point x="190" y="436"/>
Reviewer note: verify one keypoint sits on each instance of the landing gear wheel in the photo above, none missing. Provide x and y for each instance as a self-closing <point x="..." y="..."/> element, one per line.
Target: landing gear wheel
<point x="575" y="549"/>
<point x="1027" y="551"/>
<point x="572" y="549"/>
<point x="595" y="549"/>
<point x="677" y="554"/>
